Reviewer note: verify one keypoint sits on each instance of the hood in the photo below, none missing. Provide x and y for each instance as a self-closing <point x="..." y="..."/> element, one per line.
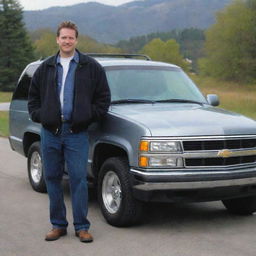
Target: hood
<point x="171" y="119"/>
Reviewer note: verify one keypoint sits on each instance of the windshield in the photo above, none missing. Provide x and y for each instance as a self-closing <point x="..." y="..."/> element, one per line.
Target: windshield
<point x="151" y="84"/>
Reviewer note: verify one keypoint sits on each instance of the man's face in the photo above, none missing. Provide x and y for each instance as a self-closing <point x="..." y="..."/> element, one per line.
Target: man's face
<point x="67" y="42"/>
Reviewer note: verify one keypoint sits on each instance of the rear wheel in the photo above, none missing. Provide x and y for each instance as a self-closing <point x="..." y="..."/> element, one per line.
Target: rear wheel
<point x="117" y="203"/>
<point x="35" y="168"/>
<point x="241" y="206"/>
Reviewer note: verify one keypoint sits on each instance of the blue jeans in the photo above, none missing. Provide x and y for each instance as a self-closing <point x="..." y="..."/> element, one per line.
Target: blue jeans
<point x="72" y="149"/>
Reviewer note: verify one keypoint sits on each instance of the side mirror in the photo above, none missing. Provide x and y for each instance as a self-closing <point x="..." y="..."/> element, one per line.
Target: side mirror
<point x="213" y="99"/>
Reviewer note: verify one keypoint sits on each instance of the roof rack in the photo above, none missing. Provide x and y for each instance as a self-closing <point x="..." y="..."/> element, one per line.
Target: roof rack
<point x="119" y="55"/>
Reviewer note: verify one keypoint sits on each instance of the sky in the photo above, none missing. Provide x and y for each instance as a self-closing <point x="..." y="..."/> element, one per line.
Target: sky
<point x="43" y="4"/>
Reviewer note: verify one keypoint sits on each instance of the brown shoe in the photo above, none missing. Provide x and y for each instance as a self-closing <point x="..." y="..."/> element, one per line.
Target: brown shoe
<point x="84" y="236"/>
<point x="55" y="234"/>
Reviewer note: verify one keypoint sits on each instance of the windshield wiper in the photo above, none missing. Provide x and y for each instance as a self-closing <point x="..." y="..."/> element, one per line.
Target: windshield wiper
<point x="181" y="101"/>
<point x="131" y="101"/>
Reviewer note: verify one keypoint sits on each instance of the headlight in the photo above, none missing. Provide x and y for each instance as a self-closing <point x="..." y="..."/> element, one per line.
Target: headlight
<point x="165" y="146"/>
<point x="161" y="161"/>
<point x="160" y="154"/>
<point x="157" y="161"/>
<point x="160" y="146"/>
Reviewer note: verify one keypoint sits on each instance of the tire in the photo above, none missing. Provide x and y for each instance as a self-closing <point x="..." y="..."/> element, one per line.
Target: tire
<point x="241" y="206"/>
<point x="35" y="168"/>
<point x="116" y="201"/>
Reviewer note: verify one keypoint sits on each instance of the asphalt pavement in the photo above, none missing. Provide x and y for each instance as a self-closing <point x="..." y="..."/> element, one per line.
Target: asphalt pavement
<point x="203" y="229"/>
<point x="4" y="106"/>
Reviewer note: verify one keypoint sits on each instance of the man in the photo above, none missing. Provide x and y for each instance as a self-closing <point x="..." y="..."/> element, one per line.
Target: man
<point x="68" y="92"/>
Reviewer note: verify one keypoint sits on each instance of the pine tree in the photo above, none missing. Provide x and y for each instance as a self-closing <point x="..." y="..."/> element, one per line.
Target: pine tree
<point x="16" y="49"/>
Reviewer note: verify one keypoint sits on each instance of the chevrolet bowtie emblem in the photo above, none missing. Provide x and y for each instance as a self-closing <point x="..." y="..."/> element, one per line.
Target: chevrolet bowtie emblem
<point x="225" y="153"/>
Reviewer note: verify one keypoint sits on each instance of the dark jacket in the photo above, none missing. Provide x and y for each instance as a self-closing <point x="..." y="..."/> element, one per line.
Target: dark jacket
<point x="91" y="95"/>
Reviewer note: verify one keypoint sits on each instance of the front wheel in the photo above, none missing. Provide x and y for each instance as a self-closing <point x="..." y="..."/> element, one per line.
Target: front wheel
<point x="241" y="206"/>
<point x="117" y="203"/>
<point x="35" y="168"/>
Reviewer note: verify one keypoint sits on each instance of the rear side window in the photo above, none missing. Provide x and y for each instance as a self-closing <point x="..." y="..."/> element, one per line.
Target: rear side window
<point x="21" y="91"/>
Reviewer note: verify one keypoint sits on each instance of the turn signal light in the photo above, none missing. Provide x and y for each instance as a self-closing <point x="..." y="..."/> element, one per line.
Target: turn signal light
<point x="144" y="145"/>
<point x="143" y="161"/>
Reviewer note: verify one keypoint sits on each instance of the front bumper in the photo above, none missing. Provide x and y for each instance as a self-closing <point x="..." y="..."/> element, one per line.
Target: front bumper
<point x="193" y="185"/>
<point x="194" y="180"/>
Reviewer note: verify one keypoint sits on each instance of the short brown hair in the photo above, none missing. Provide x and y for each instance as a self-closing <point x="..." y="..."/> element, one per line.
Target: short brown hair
<point x="67" y="24"/>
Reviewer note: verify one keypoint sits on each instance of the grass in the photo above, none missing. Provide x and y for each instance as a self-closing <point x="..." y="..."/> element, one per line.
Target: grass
<point x="4" y="123"/>
<point x="5" y="96"/>
<point x="4" y="116"/>
<point x="240" y="98"/>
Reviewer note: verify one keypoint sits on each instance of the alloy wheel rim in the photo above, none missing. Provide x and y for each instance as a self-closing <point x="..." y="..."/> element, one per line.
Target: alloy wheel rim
<point x="36" y="167"/>
<point x="111" y="192"/>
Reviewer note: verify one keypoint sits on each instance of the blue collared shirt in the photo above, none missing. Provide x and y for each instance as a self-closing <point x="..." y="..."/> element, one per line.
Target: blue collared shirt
<point x="69" y="84"/>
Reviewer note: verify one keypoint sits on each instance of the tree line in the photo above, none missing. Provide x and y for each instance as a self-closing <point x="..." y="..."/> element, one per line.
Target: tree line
<point x="190" y="40"/>
<point x="226" y="50"/>
<point x="230" y="51"/>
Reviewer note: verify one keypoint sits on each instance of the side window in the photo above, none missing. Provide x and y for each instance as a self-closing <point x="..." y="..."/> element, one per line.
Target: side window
<point x="21" y="91"/>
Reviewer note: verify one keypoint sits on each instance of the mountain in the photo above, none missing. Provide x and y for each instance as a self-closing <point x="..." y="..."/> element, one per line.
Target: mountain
<point x="110" y="24"/>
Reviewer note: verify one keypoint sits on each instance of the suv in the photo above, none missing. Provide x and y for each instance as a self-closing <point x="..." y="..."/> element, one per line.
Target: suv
<point x="161" y="140"/>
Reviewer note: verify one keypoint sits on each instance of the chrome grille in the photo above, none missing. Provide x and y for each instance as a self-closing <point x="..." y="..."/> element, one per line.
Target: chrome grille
<point x="220" y="161"/>
<point x="204" y="153"/>
<point x="219" y="144"/>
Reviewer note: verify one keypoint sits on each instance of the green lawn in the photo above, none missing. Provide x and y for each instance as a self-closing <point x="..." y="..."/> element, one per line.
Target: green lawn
<point x="4" y="123"/>
<point x="240" y="98"/>
<point x="4" y="116"/>
<point x="5" y="96"/>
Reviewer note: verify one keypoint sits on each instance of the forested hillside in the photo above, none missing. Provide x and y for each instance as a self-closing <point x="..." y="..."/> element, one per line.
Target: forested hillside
<point x="109" y="24"/>
<point x="191" y="41"/>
